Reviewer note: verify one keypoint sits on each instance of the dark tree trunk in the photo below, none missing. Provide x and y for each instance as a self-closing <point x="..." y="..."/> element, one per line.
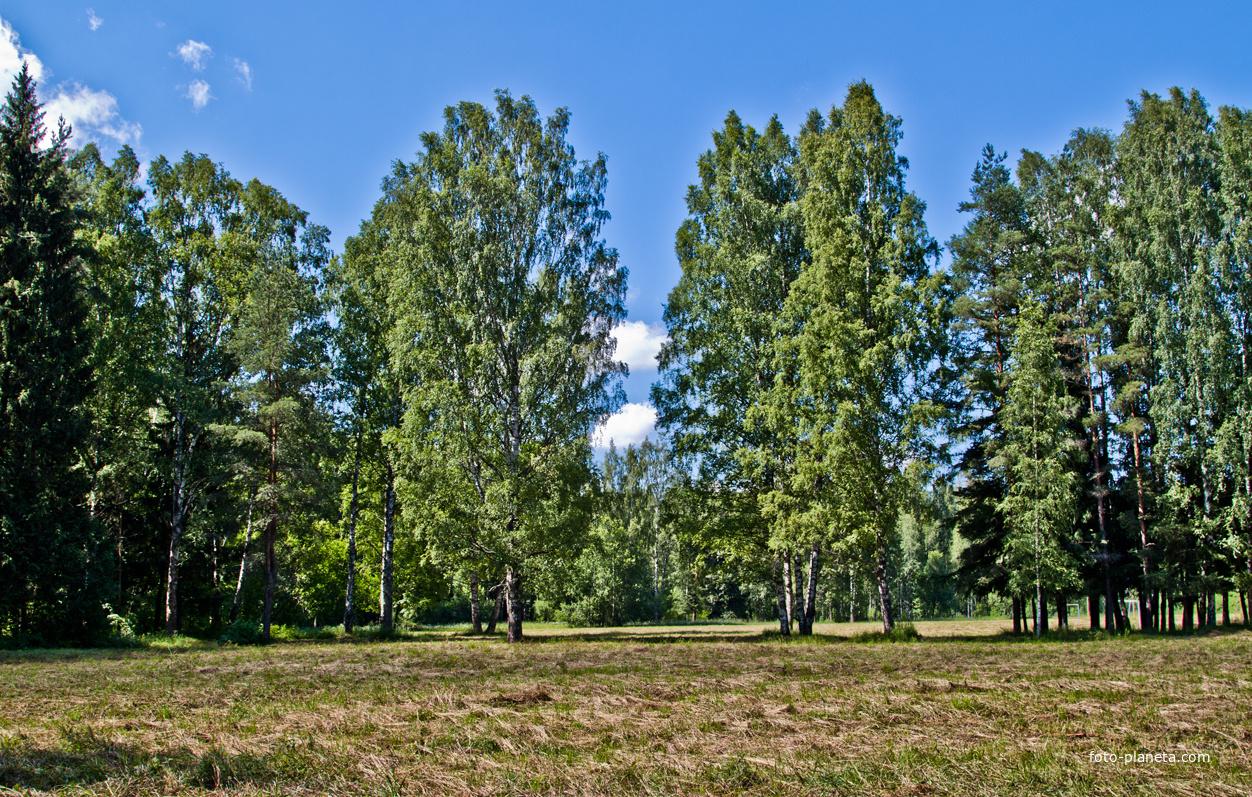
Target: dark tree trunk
<point x="1225" y="608"/>
<point x="1187" y="616"/>
<point x="1062" y="613"/>
<point x="1093" y="612"/>
<point x="513" y="583"/>
<point x="1017" y="614"/>
<point x="496" y="607"/>
<point x="349" y="601"/>
<point x="271" y="536"/>
<point x="810" y="596"/>
<point x="476" y="618"/>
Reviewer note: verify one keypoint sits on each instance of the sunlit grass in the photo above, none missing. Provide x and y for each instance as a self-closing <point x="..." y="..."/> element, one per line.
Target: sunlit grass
<point x="690" y="709"/>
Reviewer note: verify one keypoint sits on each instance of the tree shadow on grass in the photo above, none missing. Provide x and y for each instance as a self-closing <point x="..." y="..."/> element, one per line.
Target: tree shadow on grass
<point x="85" y="759"/>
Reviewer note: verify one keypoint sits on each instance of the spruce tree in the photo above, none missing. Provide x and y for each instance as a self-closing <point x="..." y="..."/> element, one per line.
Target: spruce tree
<point x="49" y="562"/>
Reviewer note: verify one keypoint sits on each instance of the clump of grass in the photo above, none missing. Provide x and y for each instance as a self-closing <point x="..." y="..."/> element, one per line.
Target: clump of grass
<point x="901" y="632"/>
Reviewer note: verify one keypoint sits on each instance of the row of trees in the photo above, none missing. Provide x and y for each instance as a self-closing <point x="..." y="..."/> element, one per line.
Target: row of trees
<point x="1085" y="357"/>
<point x="209" y="419"/>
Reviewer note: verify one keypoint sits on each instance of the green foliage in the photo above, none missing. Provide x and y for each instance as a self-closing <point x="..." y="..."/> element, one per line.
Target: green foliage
<point x="52" y="565"/>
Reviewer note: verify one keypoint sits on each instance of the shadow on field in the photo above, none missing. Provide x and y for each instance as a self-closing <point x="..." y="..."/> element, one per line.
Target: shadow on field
<point x="86" y="759"/>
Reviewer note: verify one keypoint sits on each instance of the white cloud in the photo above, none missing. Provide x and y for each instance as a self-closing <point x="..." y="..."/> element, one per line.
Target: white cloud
<point x="198" y="93"/>
<point x="92" y="114"/>
<point x="628" y="426"/>
<point x="94" y="21"/>
<point x="12" y="54"/>
<point x="195" y="54"/>
<point x="638" y="344"/>
<point x="245" y="73"/>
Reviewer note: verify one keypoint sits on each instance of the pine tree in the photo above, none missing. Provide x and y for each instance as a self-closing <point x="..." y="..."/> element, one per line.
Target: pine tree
<point x="50" y="565"/>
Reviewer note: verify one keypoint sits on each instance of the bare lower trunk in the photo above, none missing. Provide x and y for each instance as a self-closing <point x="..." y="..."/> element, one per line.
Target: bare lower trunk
<point x="884" y="588"/>
<point x="780" y="579"/>
<point x="271" y="535"/>
<point x="1225" y="608"/>
<point x="851" y="597"/>
<point x="171" y="580"/>
<point x="476" y="618"/>
<point x="243" y="560"/>
<point x="388" y="559"/>
<point x="810" y="594"/>
<point x="1147" y="610"/>
<point x="349" y="601"/>
<point x="1017" y="615"/>
<point x="513" y="585"/>
<point x="496" y="606"/>
<point x="789" y="575"/>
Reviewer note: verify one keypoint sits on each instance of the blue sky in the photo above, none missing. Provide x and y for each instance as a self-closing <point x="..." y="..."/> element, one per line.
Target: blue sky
<point x="317" y="98"/>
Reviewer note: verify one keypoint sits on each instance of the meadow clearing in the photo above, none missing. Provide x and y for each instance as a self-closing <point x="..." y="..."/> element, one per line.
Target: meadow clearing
<point x="712" y="709"/>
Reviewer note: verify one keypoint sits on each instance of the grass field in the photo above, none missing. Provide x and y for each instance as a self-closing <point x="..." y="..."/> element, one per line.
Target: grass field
<point x="718" y="709"/>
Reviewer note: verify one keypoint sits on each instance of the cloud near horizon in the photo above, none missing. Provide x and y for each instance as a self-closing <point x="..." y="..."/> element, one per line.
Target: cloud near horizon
<point x="90" y="113"/>
<point x="630" y="425"/>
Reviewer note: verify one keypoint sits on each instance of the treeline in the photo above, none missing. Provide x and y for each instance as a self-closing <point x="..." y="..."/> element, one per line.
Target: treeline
<point x="212" y="424"/>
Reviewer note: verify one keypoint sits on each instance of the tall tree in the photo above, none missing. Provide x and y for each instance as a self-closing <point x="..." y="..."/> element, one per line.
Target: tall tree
<point x="1039" y="500"/>
<point x="869" y="318"/>
<point x="195" y="220"/>
<point x="1169" y="231"/>
<point x="280" y="341"/>
<point x="51" y="577"/>
<point x="740" y="250"/>
<point x="991" y="258"/>
<point x="504" y="297"/>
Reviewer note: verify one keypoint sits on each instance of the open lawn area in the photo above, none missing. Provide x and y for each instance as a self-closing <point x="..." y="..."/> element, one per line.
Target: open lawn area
<point x="714" y="709"/>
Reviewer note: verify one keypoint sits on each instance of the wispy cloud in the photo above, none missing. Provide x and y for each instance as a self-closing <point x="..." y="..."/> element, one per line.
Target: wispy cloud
<point x="638" y="344"/>
<point x="92" y="114"/>
<point x="245" y="73"/>
<point x="198" y="93"/>
<point x="628" y="426"/>
<point x="195" y="54"/>
<point x="94" y="21"/>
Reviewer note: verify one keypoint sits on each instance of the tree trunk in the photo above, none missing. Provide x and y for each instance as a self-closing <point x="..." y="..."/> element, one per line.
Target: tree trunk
<point x="1062" y="613"/>
<point x="789" y="576"/>
<point x="513" y="583"/>
<point x="349" y="601"/>
<point x="1243" y="605"/>
<point x="496" y="607"/>
<point x="810" y="597"/>
<point x="1187" y="617"/>
<point x="851" y="596"/>
<point x="1093" y="612"/>
<point x="1043" y="610"/>
<point x="780" y="580"/>
<point x="476" y="618"/>
<point x="1017" y="615"/>
<point x="1225" y="608"/>
<point x="1146" y="610"/>
<point x="1212" y="607"/>
<point x="884" y="588"/>
<point x="389" y="543"/>
<point x="243" y="560"/>
<point x="271" y="535"/>
<point x="1169" y="597"/>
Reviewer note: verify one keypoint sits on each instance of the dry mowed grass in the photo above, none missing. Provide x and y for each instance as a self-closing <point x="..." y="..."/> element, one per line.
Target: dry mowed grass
<point x="712" y="710"/>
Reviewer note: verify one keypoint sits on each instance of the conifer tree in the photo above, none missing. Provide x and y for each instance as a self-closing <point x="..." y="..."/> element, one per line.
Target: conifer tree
<point x="51" y="574"/>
